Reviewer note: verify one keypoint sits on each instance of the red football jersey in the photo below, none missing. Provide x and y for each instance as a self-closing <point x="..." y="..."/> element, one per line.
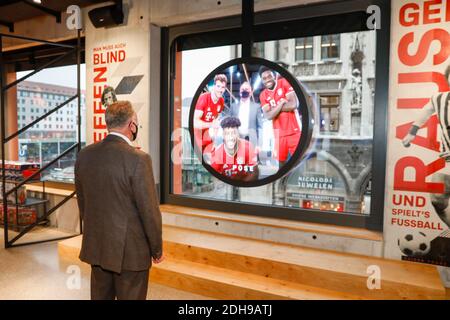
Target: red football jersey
<point x="239" y="165"/>
<point x="211" y="111"/>
<point x="286" y="123"/>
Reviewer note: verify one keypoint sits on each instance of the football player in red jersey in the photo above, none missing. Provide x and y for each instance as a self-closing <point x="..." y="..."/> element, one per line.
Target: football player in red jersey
<point x="209" y="106"/>
<point x="235" y="157"/>
<point x="279" y="104"/>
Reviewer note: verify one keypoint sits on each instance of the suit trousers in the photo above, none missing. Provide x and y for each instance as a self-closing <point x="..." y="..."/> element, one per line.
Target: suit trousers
<point x="127" y="285"/>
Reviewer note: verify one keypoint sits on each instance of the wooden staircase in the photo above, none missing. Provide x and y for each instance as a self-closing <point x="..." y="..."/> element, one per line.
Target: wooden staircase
<point x="229" y="267"/>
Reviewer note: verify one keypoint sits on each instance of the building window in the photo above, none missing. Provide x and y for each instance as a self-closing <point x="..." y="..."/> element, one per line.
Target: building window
<point x="329" y="114"/>
<point x="304" y="49"/>
<point x="330" y="46"/>
<point x="258" y="49"/>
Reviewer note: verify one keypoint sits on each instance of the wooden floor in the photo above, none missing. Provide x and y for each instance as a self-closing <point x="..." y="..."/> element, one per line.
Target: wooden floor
<point x="38" y="272"/>
<point x="227" y="267"/>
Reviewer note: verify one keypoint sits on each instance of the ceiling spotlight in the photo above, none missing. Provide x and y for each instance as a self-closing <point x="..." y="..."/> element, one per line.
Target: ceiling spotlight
<point x="37" y="1"/>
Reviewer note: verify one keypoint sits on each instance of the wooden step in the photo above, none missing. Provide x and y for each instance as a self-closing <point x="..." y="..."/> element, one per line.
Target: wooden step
<point x="217" y="282"/>
<point x="319" y="268"/>
<point x="197" y="261"/>
<point x="230" y="284"/>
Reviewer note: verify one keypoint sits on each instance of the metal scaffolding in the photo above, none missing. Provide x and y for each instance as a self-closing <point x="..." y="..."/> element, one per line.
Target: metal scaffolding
<point x="35" y="177"/>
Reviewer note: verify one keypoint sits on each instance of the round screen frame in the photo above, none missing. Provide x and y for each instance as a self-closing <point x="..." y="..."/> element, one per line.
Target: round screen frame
<point x="303" y="108"/>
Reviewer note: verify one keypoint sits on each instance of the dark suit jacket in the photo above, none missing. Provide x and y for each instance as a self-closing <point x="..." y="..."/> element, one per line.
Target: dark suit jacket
<point x="255" y="117"/>
<point x="118" y="205"/>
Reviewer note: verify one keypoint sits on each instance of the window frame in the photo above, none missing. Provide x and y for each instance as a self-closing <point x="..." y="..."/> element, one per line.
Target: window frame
<point x="304" y="50"/>
<point x="329" y="109"/>
<point x="268" y="26"/>
<point x="329" y="48"/>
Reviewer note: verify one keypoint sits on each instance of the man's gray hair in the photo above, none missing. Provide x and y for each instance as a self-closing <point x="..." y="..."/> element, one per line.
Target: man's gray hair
<point x="118" y="114"/>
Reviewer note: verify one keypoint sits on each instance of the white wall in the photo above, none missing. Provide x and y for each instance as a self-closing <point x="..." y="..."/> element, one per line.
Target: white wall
<point x="134" y="35"/>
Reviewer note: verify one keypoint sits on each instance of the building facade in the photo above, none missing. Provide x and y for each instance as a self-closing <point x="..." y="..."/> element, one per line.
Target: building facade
<point x="53" y="134"/>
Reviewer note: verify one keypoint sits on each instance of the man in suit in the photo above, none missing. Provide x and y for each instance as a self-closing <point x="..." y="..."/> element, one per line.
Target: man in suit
<point x="249" y="114"/>
<point x="119" y="207"/>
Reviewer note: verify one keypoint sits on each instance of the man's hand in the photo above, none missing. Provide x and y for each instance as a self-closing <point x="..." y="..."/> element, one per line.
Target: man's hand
<point x="282" y="102"/>
<point x="215" y="123"/>
<point x="407" y="140"/>
<point x="214" y="129"/>
<point x="159" y="260"/>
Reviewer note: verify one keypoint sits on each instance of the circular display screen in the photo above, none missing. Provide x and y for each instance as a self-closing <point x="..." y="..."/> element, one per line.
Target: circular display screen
<point x="250" y="122"/>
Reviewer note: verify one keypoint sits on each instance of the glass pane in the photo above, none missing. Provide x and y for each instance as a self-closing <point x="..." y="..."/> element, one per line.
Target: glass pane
<point x="324" y="52"/>
<point x="33" y="204"/>
<point x="310" y="186"/>
<point x="337" y="39"/>
<point x="55" y="133"/>
<point x="309" y="54"/>
<point x="341" y="152"/>
<point x="299" y="54"/>
<point x="304" y="49"/>
<point x="334" y="52"/>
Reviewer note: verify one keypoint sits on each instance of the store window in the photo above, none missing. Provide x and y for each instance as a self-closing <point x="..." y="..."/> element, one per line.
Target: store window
<point x="304" y="49"/>
<point x="334" y="182"/>
<point x="335" y="162"/>
<point x="330" y="47"/>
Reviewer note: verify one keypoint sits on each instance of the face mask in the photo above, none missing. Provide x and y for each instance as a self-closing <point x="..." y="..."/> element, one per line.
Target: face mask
<point x="245" y="94"/>
<point x="135" y="133"/>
